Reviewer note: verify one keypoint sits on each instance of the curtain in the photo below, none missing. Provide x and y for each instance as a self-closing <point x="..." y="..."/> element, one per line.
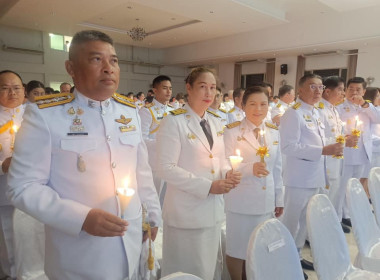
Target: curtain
<point x="270" y="71"/>
<point x="237" y="76"/>
<point x="352" y="64"/>
<point x="300" y="70"/>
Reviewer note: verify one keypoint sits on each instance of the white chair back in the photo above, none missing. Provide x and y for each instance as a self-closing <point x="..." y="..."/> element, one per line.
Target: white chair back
<point x="366" y="230"/>
<point x="272" y="253"/>
<point x="180" y="276"/>
<point x="327" y="240"/>
<point x="374" y="191"/>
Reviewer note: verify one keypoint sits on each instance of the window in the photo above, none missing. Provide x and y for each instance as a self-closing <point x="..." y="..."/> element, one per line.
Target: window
<point x="60" y="42"/>
<point x="250" y="79"/>
<point x="55" y="85"/>
<point x="341" y="72"/>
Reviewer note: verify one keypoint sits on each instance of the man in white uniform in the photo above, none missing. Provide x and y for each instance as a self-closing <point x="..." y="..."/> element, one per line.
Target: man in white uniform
<point x="84" y="145"/>
<point x="355" y="159"/>
<point x="11" y="111"/>
<point x="236" y="113"/>
<point x="286" y="98"/>
<point x="303" y="144"/>
<point x="215" y="109"/>
<point x="151" y="116"/>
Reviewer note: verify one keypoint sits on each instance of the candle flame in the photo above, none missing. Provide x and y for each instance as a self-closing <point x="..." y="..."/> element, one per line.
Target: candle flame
<point x="356" y="118"/>
<point x="238" y="152"/>
<point x="343" y="123"/>
<point x="262" y="132"/>
<point x="14" y="128"/>
<point x="360" y="123"/>
<point x="125" y="183"/>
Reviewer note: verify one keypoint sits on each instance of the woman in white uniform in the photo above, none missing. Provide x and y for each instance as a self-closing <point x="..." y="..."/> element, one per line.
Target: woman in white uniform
<point x="191" y="159"/>
<point x="260" y="192"/>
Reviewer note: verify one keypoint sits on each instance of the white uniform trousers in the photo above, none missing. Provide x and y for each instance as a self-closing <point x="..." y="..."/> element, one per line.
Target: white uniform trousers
<point x="349" y="171"/>
<point x="29" y="237"/>
<point x="191" y="251"/>
<point x="334" y="172"/>
<point x="294" y="217"/>
<point x="6" y="240"/>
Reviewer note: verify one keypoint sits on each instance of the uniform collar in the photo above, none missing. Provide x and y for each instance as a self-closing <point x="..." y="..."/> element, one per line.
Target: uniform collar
<point x="195" y="115"/>
<point x="306" y="106"/>
<point x="237" y="108"/>
<point x="327" y="103"/>
<point x="13" y="111"/>
<point x="88" y="102"/>
<point x="158" y="104"/>
<point x="251" y="126"/>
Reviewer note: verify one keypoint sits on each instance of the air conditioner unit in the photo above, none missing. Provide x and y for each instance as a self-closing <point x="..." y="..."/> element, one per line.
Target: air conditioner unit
<point x="21" y="50"/>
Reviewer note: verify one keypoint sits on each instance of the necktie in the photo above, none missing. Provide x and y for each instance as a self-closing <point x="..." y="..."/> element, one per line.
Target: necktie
<point x="206" y="129"/>
<point x="256" y="132"/>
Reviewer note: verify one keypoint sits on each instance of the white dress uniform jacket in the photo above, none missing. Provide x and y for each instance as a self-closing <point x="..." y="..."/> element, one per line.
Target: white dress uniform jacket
<point x="254" y="196"/>
<point x="235" y="114"/>
<point x="302" y="141"/>
<point x="188" y="165"/>
<point x="76" y="156"/>
<point x="348" y="111"/>
<point x="221" y="115"/>
<point x="280" y="108"/>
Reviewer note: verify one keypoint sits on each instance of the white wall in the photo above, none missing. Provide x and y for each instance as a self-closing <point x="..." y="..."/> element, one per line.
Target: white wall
<point x="226" y="75"/>
<point x="49" y="67"/>
<point x="290" y="77"/>
<point x="369" y="64"/>
<point x="326" y="62"/>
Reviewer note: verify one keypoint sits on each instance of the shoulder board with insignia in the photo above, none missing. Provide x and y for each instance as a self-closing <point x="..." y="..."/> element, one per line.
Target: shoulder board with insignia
<point x="278" y="105"/>
<point x="178" y="111"/>
<point x="368" y="101"/>
<point x="123" y="100"/>
<point x="271" y="125"/>
<point x="296" y="106"/>
<point x="341" y="102"/>
<point x="51" y="100"/>
<point x="222" y="110"/>
<point x="148" y="105"/>
<point x="230" y="111"/>
<point x="321" y="105"/>
<point x="169" y="105"/>
<point x="234" y="124"/>
<point x="213" y="113"/>
<point x="6" y="126"/>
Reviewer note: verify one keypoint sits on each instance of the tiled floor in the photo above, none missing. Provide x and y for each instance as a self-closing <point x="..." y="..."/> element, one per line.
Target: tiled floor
<point x="351" y="246"/>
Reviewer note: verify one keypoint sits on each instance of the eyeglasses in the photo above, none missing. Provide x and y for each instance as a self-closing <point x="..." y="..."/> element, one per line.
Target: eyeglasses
<point x="9" y="89"/>
<point x="317" y="87"/>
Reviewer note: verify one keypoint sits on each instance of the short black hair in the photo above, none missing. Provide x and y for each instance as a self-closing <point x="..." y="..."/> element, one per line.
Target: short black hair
<point x="159" y="79"/>
<point x="371" y="93"/>
<point x="262" y="84"/>
<point x="139" y="94"/>
<point x="12" y="72"/>
<point x="357" y="80"/>
<point x="308" y="76"/>
<point x="332" y="82"/>
<point x="284" y="90"/>
<point x="34" y="84"/>
<point x="254" y="90"/>
<point x="87" y="36"/>
<point x="49" y="90"/>
<point x="237" y="92"/>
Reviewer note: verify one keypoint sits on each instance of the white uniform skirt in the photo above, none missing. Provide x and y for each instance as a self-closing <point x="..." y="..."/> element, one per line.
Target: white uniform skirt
<point x="238" y="231"/>
<point x="191" y="251"/>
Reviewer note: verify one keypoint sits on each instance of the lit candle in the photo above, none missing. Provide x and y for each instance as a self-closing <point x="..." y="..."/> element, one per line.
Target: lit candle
<point x="236" y="160"/>
<point x="359" y="124"/>
<point x="356" y="122"/>
<point x="343" y="125"/>
<point x="262" y="139"/>
<point x="14" y="128"/>
<point x="125" y="195"/>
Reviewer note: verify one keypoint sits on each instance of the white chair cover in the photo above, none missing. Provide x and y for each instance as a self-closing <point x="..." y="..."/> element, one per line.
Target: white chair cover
<point x="366" y="231"/>
<point x="180" y="276"/>
<point x="272" y="253"/>
<point x="374" y="190"/>
<point x="328" y="243"/>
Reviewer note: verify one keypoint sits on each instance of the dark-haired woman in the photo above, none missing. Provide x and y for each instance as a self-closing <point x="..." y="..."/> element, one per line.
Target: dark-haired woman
<point x="33" y="89"/>
<point x="260" y="192"/>
<point x="191" y="159"/>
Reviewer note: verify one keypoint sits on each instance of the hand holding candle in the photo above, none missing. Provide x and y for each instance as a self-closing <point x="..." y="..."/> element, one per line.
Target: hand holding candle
<point x="341" y="139"/>
<point x="356" y="131"/>
<point x="125" y="195"/>
<point x="236" y="160"/>
<point x="263" y="150"/>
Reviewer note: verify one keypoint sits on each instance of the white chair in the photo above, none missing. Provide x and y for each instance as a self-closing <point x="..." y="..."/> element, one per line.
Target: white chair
<point x="366" y="230"/>
<point x="272" y="253"/>
<point x="329" y="245"/>
<point x="374" y="191"/>
<point x="180" y="276"/>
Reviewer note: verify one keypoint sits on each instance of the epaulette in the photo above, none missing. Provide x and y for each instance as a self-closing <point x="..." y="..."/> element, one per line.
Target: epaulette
<point x="51" y="100"/>
<point x="368" y="101"/>
<point x="341" y="102"/>
<point x="296" y="106"/>
<point x="170" y="105"/>
<point x="148" y="105"/>
<point x="232" y="125"/>
<point x="230" y="111"/>
<point x="123" y="100"/>
<point x="213" y="113"/>
<point x="271" y="125"/>
<point x="321" y="105"/>
<point x="278" y="105"/>
<point x="178" y="111"/>
<point x="222" y="110"/>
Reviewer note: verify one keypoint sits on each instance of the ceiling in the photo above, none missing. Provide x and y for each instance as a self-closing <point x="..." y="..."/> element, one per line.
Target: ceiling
<point x="173" y="23"/>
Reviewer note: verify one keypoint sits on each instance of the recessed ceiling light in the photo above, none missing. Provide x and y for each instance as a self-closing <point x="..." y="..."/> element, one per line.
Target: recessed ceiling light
<point x="243" y="22"/>
<point x="101" y="18"/>
<point x="211" y="12"/>
<point x="129" y="7"/>
<point x="173" y="18"/>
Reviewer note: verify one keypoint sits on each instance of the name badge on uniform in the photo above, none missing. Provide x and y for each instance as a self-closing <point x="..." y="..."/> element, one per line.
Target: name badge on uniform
<point x="123" y="120"/>
<point x="191" y="136"/>
<point x="77" y="128"/>
<point x="127" y="128"/>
